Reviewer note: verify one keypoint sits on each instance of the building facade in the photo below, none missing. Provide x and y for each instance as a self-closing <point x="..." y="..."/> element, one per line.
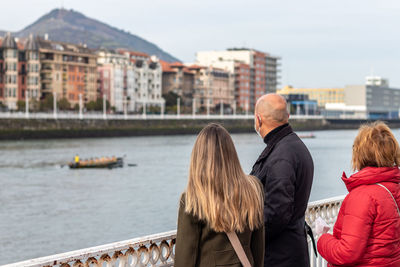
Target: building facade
<point x="373" y="100"/>
<point x="10" y="72"/>
<point x="19" y="71"/>
<point x="117" y="80"/>
<point x="262" y="72"/>
<point x="67" y="71"/>
<point x="213" y="87"/>
<point x="148" y="78"/>
<point x="179" y="79"/>
<point x="321" y="95"/>
<point x="129" y="81"/>
<point x="379" y="102"/>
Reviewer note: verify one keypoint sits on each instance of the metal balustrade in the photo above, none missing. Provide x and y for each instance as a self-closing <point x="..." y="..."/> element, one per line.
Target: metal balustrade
<point x="158" y="249"/>
<point x="101" y="116"/>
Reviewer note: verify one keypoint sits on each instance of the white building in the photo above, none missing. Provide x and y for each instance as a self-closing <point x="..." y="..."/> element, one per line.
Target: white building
<point x="374" y="100"/>
<point x="129" y="82"/>
<point x="376" y="81"/>
<point x="116" y="73"/>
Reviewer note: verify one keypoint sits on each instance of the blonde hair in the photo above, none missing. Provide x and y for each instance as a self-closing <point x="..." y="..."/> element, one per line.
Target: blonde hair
<point x="375" y="146"/>
<point x="218" y="190"/>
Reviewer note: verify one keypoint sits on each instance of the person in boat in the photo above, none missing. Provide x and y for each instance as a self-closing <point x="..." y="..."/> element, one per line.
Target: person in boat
<point x="367" y="228"/>
<point x="77" y="159"/>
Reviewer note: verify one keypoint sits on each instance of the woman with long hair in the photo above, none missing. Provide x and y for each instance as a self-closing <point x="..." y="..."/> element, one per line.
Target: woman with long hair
<point x="367" y="230"/>
<point x="219" y="198"/>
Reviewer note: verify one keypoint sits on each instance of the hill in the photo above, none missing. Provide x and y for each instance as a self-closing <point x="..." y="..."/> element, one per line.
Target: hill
<point x="73" y="27"/>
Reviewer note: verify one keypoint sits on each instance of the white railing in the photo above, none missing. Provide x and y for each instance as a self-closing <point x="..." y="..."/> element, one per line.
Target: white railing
<point x="100" y="116"/>
<point x="158" y="250"/>
<point x="328" y="209"/>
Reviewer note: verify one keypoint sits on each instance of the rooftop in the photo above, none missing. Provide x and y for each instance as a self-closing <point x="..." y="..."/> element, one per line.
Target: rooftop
<point x="9" y="42"/>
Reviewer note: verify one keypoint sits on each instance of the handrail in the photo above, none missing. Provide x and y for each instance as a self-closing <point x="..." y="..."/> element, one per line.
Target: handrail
<point x="158" y="249"/>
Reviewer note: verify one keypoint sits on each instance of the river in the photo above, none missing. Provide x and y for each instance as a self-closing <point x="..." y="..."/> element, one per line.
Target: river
<point x="46" y="208"/>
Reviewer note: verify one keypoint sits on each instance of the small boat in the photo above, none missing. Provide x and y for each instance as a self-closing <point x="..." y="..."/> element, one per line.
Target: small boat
<point x="311" y="135"/>
<point x="109" y="163"/>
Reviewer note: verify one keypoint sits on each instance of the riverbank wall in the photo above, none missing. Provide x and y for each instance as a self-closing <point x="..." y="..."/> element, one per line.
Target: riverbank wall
<point x="15" y="129"/>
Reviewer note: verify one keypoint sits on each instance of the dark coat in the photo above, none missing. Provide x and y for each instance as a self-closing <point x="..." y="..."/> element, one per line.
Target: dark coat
<point x="198" y="245"/>
<point x="286" y="169"/>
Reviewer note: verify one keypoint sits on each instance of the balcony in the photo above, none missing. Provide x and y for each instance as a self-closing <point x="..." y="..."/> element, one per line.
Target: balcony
<point x="158" y="249"/>
<point x="46" y="79"/>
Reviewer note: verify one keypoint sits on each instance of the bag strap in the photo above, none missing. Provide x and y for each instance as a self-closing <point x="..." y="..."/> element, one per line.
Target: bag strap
<point x="381" y="185"/>
<point x="233" y="238"/>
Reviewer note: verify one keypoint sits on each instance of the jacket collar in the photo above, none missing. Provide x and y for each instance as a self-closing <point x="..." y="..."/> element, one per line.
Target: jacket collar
<point x="372" y="175"/>
<point x="272" y="138"/>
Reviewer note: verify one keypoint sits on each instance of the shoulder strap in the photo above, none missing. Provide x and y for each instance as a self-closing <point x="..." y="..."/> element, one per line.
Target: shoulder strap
<point x="233" y="238"/>
<point x="381" y="185"/>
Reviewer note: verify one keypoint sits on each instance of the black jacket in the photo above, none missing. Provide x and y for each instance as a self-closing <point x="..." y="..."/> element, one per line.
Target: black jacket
<point x="286" y="169"/>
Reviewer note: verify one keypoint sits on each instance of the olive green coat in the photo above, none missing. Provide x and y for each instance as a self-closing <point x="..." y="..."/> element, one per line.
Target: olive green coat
<point x="197" y="245"/>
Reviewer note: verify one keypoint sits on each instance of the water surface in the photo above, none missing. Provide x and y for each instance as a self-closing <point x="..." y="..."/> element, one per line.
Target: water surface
<point x="46" y="208"/>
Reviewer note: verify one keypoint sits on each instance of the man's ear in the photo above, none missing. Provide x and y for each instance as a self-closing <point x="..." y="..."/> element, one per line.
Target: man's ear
<point x="259" y="120"/>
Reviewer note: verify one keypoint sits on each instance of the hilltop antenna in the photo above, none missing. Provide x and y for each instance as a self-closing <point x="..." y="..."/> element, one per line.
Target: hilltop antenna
<point x="62" y="4"/>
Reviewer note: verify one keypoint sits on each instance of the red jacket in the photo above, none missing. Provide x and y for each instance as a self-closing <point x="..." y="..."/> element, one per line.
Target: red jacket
<point x="367" y="229"/>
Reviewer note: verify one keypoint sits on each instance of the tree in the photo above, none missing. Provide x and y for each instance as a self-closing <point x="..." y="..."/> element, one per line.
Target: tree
<point x="97" y="105"/>
<point x="90" y="106"/>
<point x="34" y="105"/>
<point x="170" y="99"/>
<point x="46" y="103"/>
<point x="21" y="105"/>
<point x="63" y="104"/>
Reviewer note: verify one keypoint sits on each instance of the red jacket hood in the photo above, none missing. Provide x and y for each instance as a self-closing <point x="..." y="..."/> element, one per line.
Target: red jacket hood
<point x="372" y="175"/>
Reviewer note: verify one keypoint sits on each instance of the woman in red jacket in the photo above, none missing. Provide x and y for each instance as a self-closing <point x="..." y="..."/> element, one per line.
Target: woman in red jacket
<point x="367" y="230"/>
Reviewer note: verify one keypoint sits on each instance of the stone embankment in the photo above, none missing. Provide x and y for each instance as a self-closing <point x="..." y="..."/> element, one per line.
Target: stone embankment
<point x="75" y="128"/>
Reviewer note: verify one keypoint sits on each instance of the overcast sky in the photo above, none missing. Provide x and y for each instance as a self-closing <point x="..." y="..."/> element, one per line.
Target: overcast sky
<point x="323" y="43"/>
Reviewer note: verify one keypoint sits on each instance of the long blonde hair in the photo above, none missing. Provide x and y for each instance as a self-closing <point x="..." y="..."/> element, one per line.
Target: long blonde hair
<point x="218" y="190"/>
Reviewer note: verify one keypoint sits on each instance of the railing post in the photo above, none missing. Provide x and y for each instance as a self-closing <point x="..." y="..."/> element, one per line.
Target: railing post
<point x="104" y="106"/>
<point x="194" y="108"/>
<point x="234" y="109"/>
<point x="125" y="108"/>
<point x="26" y="105"/>
<point x="208" y="108"/>
<point x="80" y="107"/>
<point x="162" y="110"/>
<point x="55" y="105"/>
<point x="144" y="110"/>
<point x="178" y="109"/>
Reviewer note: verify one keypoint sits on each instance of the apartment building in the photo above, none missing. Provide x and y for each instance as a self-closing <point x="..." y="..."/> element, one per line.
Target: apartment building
<point x="321" y="95"/>
<point x="130" y="80"/>
<point x="213" y="87"/>
<point x="255" y="72"/>
<point x="19" y="71"/>
<point x="67" y="71"/>
<point x="117" y="80"/>
<point x="179" y="79"/>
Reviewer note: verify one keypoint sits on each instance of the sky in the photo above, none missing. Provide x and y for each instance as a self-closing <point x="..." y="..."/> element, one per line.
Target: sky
<point x="322" y="43"/>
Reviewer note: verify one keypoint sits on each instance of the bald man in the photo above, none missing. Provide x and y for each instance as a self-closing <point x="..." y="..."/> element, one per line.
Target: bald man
<point x="286" y="169"/>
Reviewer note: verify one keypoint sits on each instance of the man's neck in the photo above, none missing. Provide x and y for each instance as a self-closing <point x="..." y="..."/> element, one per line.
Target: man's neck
<point x="265" y="131"/>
